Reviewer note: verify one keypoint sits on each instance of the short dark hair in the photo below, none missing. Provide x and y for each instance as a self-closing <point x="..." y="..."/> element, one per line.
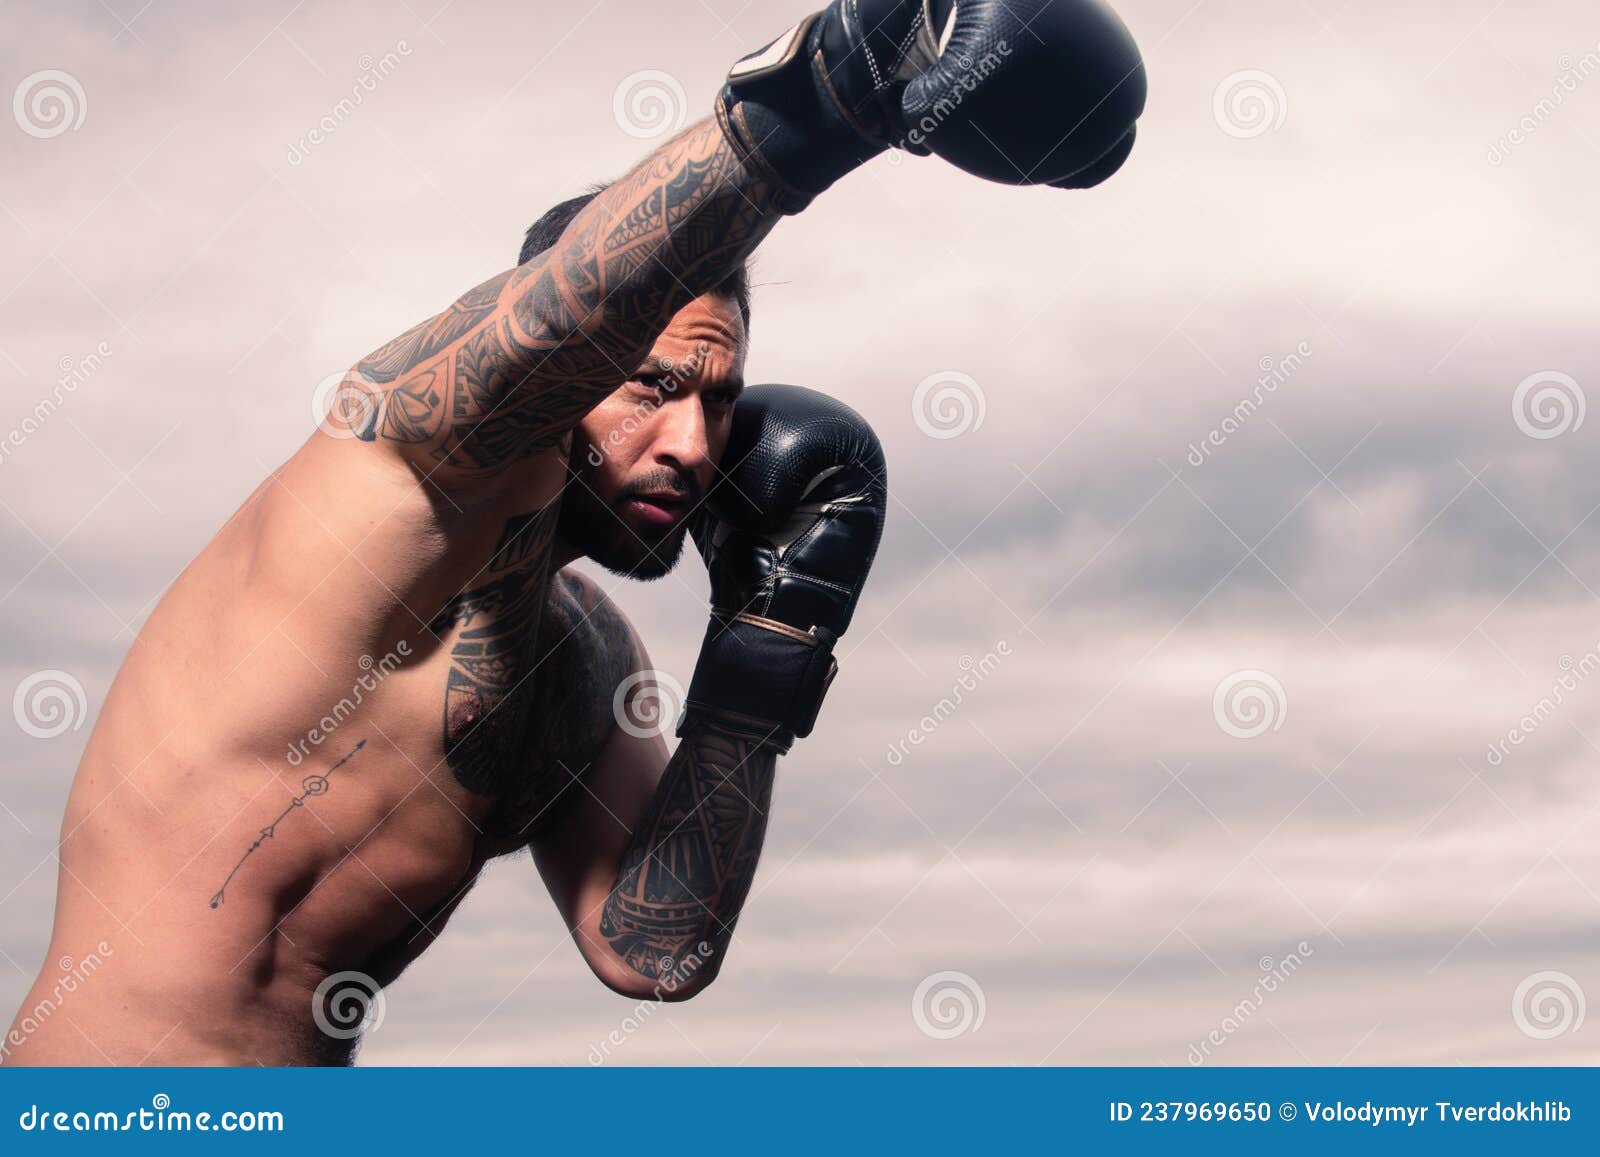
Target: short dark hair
<point x="547" y="230"/>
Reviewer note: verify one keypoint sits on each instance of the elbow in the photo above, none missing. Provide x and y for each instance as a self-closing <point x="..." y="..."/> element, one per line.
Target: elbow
<point x="682" y="980"/>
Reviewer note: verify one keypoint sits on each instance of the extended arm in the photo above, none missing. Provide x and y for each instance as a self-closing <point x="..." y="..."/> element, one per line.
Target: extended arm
<point x="1017" y="91"/>
<point x="512" y="365"/>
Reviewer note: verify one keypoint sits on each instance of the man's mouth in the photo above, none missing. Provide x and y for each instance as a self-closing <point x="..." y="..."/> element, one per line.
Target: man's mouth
<point x="658" y="508"/>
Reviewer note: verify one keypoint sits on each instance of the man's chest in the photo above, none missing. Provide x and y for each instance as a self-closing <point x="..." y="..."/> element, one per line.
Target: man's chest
<point x="534" y="661"/>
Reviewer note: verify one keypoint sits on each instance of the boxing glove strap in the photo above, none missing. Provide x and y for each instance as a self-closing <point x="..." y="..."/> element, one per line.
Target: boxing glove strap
<point x="763" y="678"/>
<point x="780" y="113"/>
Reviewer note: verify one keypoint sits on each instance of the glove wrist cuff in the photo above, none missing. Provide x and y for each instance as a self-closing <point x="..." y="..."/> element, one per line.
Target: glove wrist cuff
<point x="780" y="112"/>
<point x="764" y="678"/>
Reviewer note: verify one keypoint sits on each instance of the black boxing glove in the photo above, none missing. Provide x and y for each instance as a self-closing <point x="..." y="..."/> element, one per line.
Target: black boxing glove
<point x="788" y="533"/>
<point x="1024" y="92"/>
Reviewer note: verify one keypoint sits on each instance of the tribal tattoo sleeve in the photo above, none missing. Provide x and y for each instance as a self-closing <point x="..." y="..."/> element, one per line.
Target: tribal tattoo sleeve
<point x="514" y="364"/>
<point x="688" y="870"/>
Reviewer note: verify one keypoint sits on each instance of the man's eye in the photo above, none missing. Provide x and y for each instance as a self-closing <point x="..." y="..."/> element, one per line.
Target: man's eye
<point x="721" y="398"/>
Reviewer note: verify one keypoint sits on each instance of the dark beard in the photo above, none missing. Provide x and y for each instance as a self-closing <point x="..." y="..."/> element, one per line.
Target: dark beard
<point x="600" y="533"/>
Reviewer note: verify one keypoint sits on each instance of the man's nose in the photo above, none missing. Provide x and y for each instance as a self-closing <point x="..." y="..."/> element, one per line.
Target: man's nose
<point x="680" y="436"/>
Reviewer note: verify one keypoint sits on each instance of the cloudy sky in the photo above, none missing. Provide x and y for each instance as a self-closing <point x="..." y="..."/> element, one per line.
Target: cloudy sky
<point x="1249" y="671"/>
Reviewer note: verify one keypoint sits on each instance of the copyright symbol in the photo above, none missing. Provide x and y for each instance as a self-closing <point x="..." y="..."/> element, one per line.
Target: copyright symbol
<point x="1286" y="1111"/>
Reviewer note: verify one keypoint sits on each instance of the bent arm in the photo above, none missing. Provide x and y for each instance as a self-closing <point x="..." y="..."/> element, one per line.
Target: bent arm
<point x="511" y="366"/>
<point x="652" y="867"/>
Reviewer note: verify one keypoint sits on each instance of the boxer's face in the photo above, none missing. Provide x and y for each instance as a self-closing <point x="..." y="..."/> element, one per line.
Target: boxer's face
<point x="644" y="458"/>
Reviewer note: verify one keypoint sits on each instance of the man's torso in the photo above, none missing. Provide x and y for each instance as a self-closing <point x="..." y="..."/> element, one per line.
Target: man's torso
<point x="360" y="692"/>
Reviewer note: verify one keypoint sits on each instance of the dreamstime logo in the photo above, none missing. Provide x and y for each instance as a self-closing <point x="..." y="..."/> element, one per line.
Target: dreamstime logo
<point x="1249" y="104"/>
<point x="345" y="405"/>
<point x="346" y="1004"/>
<point x="653" y="709"/>
<point x="1547" y="1005"/>
<point x="1249" y="703"/>
<point x="649" y="104"/>
<point x="674" y="974"/>
<point x="1573" y="73"/>
<point x="49" y="703"/>
<point x="972" y="74"/>
<point x="1573" y="674"/>
<point x="1274" y="373"/>
<point x="49" y="103"/>
<point x="948" y="404"/>
<point x="374" y="672"/>
<point x="1273" y="974"/>
<point x="74" y="974"/>
<point x="948" y="1004"/>
<point x="973" y="672"/>
<point x="74" y="372"/>
<point x="676" y="374"/>
<point x="1548" y="404"/>
<point x="373" y="72"/>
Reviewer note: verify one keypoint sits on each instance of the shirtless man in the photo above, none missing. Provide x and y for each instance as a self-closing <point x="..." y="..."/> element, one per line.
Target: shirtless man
<point x="382" y="673"/>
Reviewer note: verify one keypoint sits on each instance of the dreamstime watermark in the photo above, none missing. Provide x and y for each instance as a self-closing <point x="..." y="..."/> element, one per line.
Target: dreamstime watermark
<point x="646" y="703"/>
<point x="1573" y="73"/>
<point x="374" y="71"/>
<point x="973" y="73"/>
<point x="48" y="103"/>
<point x="74" y="973"/>
<point x="948" y="404"/>
<point x="973" y="672"/>
<point x="1249" y="703"/>
<point x="1573" y="674"/>
<point x="347" y="1004"/>
<point x="160" y="1117"/>
<point x="675" y="374"/>
<point x="1274" y="373"/>
<point x="72" y="373"/>
<point x="1548" y="1004"/>
<point x="376" y="671"/>
<point x="49" y="703"/>
<point x="1249" y="103"/>
<point x="1274" y="974"/>
<point x="346" y="404"/>
<point x="947" y="1005"/>
<point x="1548" y="404"/>
<point x="675" y="974"/>
<point x="649" y="104"/>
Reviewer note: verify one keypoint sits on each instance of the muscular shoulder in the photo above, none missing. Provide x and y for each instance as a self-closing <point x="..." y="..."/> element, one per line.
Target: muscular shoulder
<point x="583" y="619"/>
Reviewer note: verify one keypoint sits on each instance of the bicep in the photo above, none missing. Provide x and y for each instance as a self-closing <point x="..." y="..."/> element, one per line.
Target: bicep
<point x="579" y="854"/>
<point x="579" y="857"/>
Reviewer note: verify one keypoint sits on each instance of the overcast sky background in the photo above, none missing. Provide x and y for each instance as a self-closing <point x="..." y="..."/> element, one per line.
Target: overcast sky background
<point x="1083" y="839"/>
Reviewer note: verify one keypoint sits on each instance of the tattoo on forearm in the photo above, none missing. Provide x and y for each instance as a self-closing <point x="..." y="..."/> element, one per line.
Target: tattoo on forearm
<point x="511" y="367"/>
<point x="312" y="785"/>
<point x="689" y="868"/>
<point x="488" y="692"/>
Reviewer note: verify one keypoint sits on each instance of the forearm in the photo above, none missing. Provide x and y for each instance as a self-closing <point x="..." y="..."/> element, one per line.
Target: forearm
<point x="687" y="871"/>
<point x="671" y="229"/>
<point x="514" y="364"/>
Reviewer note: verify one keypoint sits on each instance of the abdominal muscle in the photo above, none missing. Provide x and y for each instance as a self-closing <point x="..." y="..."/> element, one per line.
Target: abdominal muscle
<point x="265" y="801"/>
